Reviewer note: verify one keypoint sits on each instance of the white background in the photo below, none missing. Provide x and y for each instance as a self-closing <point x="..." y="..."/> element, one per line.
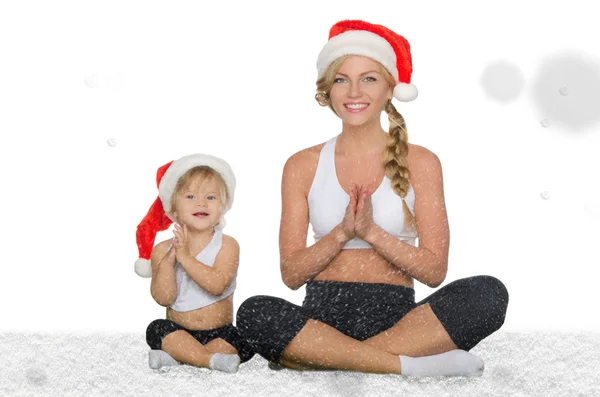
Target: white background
<point x="236" y="80"/>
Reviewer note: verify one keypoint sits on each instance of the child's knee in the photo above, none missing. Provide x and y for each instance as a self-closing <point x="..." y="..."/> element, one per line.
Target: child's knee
<point x="219" y="345"/>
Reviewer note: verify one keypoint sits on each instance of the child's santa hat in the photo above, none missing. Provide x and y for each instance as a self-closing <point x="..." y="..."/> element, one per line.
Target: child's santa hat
<point x="376" y="42"/>
<point x="158" y="219"/>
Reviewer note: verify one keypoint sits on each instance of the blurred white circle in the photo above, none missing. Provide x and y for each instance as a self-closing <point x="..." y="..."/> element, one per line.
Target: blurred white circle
<point x="564" y="91"/>
<point x="112" y="142"/>
<point x="502" y="81"/>
<point x="545" y="123"/>
<point x="545" y="195"/>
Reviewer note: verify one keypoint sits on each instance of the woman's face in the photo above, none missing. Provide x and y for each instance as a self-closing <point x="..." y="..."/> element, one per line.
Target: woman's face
<point x="360" y="91"/>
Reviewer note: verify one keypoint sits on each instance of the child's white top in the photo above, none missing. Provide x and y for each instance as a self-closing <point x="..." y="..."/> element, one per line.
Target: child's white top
<point x="189" y="295"/>
<point x="327" y="202"/>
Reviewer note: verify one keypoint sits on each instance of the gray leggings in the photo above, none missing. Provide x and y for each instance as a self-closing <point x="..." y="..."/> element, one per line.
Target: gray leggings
<point x="470" y="309"/>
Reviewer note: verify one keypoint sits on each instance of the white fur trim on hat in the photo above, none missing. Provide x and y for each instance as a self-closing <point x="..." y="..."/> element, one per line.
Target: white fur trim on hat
<point x="143" y="268"/>
<point x="405" y="92"/>
<point x="358" y="42"/>
<point x="181" y="166"/>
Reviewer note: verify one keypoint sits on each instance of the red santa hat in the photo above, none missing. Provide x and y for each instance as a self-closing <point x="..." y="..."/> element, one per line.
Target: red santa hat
<point x="355" y="37"/>
<point x="158" y="219"/>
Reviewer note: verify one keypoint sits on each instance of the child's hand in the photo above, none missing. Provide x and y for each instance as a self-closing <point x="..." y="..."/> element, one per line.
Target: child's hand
<point x="180" y="243"/>
<point x="171" y="255"/>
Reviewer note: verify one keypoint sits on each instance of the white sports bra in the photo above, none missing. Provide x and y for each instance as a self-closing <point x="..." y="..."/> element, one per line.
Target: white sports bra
<point x="189" y="295"/>
<point x="327" y="202"/>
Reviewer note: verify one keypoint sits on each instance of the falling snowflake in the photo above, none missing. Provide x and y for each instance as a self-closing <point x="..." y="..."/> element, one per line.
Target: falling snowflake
<point x="582" y="77"/>
<point x="545" y="123"/>
<point x="502" y="81"/>
<point x="545" y="195"/>
<point x="97" y="80"/>
<point x="564" y="91"/>
<point x="112" y="142"/>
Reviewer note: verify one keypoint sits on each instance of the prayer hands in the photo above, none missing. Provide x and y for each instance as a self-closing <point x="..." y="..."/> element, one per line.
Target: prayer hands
<point x="364" y="213"/>
<point x="349" y="216"/>
<point x="180" y="243"/>
<point x="358" y="219"/>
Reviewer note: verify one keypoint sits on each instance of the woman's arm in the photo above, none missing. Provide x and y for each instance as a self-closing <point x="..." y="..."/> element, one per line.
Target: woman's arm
<point x="216" y="279"/>
<point x="163" y="287"/>
<point x="427" y="263"/>
<point x="298" y="262"/>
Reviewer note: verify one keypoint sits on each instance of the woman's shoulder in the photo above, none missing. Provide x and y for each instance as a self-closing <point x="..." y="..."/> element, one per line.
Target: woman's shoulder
<point x="302" y="165"/>
<point x="306" y="156"/>
<point x="424" y="165"/>
<point x="420" y="156"/>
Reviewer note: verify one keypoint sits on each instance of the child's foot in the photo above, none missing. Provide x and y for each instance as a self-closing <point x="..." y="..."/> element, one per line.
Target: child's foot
<point x="159" y="358"/>
<point x="452" y="363"/>
<point x="225" y="362"/>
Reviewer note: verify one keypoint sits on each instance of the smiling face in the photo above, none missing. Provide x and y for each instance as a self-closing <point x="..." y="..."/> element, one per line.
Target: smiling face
<point x="198" y="201"/>
<point x="360" y="90"/>
<point x="199" y="205"/>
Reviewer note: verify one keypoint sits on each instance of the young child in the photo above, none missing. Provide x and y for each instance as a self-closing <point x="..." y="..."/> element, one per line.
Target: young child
<point x="193" y="274"/>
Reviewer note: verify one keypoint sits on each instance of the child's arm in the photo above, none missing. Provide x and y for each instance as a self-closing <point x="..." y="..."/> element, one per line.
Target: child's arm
<point x="216" y="279"/>
<point x="163" y="287"/>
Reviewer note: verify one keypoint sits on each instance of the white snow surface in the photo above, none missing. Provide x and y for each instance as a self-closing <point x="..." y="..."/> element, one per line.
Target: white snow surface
<point x="517" y="364"/>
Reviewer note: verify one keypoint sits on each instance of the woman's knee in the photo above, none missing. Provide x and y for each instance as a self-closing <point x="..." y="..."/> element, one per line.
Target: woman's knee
<point x="471" y="309"/>
<point x="491" y="296"/>
<point x="260" y="314"/>
<point x="269" y="324"/>
<point x="253" y="311"/>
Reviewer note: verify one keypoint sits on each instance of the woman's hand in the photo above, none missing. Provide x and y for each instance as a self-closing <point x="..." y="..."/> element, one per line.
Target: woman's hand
<point x="180" y="243"/>
<point x="364" y="213"/>
<point x="350" y="216"/>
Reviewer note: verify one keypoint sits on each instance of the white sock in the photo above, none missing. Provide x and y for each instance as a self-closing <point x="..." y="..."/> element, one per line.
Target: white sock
<point x="225" y="362"/>
<point x="452" y="363"/>
<point x="159" y="358"/>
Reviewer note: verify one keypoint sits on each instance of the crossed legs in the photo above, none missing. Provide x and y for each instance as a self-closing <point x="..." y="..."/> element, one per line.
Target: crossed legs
<point x="466" y="318"/>
<point x="320" y="346"/>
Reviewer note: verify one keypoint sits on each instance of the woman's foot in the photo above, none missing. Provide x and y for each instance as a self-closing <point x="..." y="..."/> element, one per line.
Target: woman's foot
<point x="451" y="363"/>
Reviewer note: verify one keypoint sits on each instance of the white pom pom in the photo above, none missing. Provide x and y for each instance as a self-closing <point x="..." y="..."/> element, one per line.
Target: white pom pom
<point x="405" y="92"/>
<point x="143" y="268"/>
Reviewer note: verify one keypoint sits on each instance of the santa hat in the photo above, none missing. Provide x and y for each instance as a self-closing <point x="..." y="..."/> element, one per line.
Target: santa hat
<point x="158" y="219"/>
<point x="376" y="42"/>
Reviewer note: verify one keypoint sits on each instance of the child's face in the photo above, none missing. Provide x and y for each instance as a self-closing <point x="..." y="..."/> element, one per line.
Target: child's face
<point x="199" y="205"/>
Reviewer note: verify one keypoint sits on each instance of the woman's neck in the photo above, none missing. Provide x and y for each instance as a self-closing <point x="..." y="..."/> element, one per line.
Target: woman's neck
<point x="361" y="140"/>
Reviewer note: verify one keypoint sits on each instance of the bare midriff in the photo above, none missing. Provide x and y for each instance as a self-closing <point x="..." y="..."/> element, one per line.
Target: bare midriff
<point x="366" y="266"/>
<point x="216" y="315"/>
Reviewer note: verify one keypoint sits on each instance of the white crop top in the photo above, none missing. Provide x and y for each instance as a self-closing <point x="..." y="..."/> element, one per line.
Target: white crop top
<point x="327" y="202"/>
<point x="189" y="295"/>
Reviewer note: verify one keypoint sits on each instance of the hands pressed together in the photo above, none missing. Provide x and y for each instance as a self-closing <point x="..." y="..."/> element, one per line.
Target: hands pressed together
<point x="180" y="247"/>
<point x="358" y="220"/>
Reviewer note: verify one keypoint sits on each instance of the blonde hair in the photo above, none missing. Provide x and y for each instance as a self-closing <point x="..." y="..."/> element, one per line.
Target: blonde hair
<point x="395" y="159"/>
<point x="202" y="173"/>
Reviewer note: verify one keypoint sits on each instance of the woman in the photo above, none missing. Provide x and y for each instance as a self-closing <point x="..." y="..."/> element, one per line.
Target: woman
<point x="368" y="195"/>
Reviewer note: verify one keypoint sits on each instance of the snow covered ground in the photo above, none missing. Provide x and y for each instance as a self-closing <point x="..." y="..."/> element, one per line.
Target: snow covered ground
<point x="517" y="364"/>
